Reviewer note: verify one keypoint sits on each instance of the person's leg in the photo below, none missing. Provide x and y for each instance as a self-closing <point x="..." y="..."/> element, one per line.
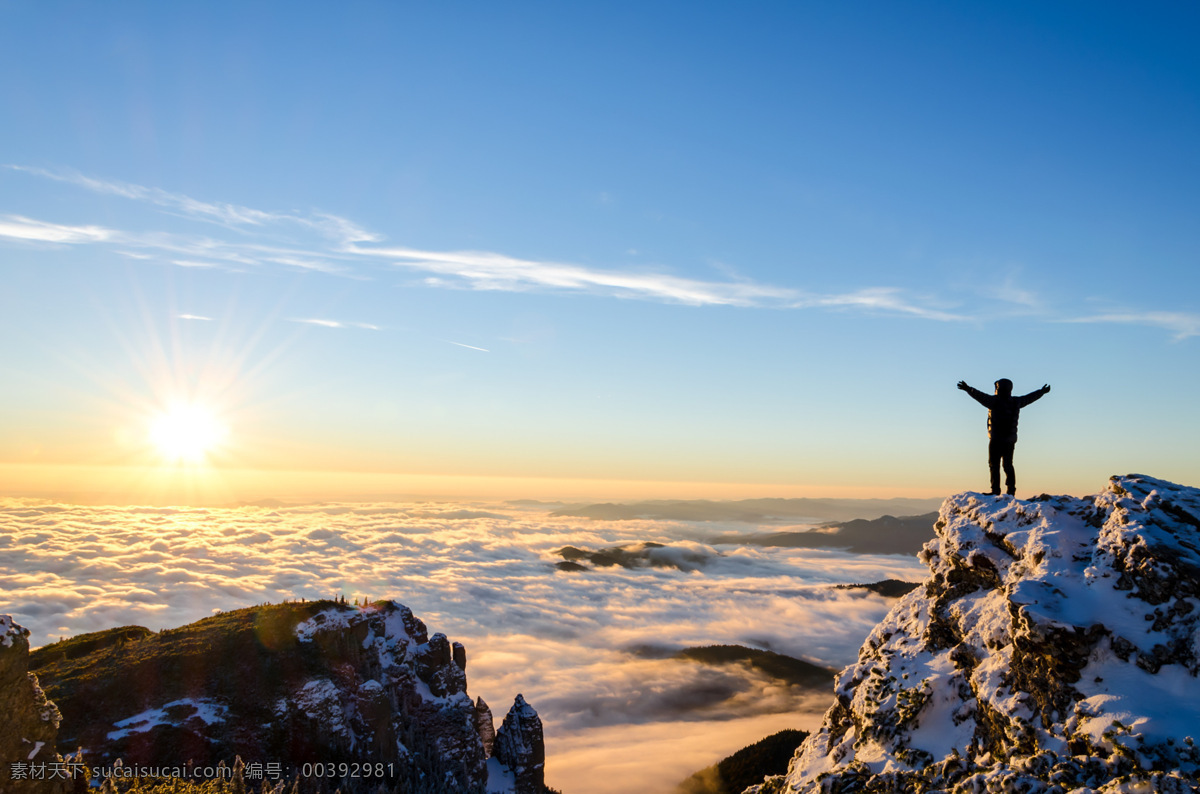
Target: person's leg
<point x="994" y="450"/>
<point x="1010" y="474"/>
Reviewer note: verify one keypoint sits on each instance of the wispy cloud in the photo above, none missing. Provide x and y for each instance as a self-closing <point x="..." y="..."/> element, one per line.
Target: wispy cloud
<point x="491" y="271"/>
<point x="334" y="323"/>
<point x="468" y="347"/>
<point x="18" y="227"/>
<point x="1010" y="292"/>
<point x="229" y="215"/>
<point x="484" y="270"/>
<point x="882" y="299"/>
<point x="340" y="243"/>
<point x="1182" y="324"/>
<point x="306" y="263"/>
<point x="194" y="263"/>
<point x="329" y="244"/>
<point x="193" y="317"/>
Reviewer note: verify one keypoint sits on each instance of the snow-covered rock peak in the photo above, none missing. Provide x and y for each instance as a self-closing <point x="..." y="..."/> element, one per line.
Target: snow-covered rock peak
<point x="1055" y="647"/>
<point x="28" y="720"/>
<point x="305" y="684"/>
<point x="520" y="747"/>
<point x="9" y="631"/>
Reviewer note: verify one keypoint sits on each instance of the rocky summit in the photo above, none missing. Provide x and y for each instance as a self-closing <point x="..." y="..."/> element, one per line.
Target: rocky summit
<point x="29" y="727"/>
<point x="1054" y="648"/>
<point x="520" y="749"/>
<point x="306" y="690"/>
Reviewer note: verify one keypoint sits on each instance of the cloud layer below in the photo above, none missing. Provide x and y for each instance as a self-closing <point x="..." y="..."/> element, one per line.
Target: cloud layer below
<point x="575" y="644"/>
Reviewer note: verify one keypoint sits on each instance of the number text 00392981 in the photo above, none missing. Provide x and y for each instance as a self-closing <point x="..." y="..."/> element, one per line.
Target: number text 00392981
<point x="378" y="770"/>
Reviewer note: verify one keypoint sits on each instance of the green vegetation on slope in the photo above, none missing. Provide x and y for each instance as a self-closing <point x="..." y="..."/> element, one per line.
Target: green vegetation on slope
<point x="245" y="656"/>
<point x="82" y="645"/>
<point x="769" y="756"/>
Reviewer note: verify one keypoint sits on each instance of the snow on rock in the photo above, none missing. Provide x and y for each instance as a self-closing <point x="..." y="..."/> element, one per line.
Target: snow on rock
<point x="1054" y="648"/>
<point x="175" y="713"/>
<point x="521" y="749"/>
<point x="397" y="689"/>
<point x="323" y="702"/>
<point x="500" y="778"/>
<point x="425" y="675"/>
<point x="28" y="721"/>
<point x="300" y="683"/>
<point x="10" y="630"/>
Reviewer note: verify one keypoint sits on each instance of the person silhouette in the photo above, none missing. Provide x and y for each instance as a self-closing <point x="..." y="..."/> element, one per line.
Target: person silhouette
<point x="1003" y="412"/>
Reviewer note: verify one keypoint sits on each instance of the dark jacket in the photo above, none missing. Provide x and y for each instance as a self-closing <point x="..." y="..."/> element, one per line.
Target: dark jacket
<point x="1003" y="411"/>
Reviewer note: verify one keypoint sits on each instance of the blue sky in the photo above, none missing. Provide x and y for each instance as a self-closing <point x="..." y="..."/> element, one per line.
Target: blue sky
<point x="665" y="242"/>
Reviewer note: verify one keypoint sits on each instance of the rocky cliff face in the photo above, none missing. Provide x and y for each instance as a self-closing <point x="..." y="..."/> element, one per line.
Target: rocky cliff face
<point x="520" y="747"/>
<point x="1055" y="647"/>
<point x="307" y="687"/>
<point x="28" y="721"/>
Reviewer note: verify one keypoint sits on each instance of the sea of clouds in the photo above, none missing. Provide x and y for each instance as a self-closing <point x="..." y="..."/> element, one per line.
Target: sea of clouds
<point x="589" y="649"/>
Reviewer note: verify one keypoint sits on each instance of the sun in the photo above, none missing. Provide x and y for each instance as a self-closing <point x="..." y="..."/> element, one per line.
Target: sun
<point x="186" y="433"/>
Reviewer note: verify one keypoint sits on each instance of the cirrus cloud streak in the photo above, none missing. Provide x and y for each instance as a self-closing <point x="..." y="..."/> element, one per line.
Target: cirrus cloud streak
<point x="323" y="242"/>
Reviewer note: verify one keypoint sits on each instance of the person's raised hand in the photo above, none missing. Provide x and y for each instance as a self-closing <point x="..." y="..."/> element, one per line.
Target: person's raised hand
<point x="962" y="384"/>
<point x="1046" y="389"/>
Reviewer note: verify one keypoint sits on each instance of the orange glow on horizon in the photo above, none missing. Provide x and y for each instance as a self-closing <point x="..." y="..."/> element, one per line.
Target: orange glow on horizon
<point x="212" y="485"/>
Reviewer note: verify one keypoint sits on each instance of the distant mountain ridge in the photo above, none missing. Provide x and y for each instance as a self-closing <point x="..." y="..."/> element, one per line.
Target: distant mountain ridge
<point x="884" y="535"/>
<point x="786" y="669"/>
<point x="1054" y="648"/>
<point x="802" y="510"/>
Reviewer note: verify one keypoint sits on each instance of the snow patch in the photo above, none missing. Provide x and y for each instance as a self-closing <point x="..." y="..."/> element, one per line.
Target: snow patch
<point x="9" y="629"/>
<point x="176" y="713"/>
<point x="500" y="779"/>
<point x="321" y="700"/>
<point x="333" y="619"/>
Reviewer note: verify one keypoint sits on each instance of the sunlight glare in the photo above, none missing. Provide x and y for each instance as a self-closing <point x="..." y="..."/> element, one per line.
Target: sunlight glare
<point x="186" y="433"/>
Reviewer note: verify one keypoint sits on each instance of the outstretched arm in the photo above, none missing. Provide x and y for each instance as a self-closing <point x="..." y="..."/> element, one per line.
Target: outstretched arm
<point x="979" y="397"/>
<point x="1035" y="395"/>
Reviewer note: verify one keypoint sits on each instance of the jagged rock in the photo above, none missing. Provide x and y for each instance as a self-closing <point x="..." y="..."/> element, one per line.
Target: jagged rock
<point x="298" y="683"/>
<point x="521" y="748"/>
<point x="436" y="666"/>
<point x="485" y="725"/>
<point x="1055" y="648"/>
<point x="29" y="761"/>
